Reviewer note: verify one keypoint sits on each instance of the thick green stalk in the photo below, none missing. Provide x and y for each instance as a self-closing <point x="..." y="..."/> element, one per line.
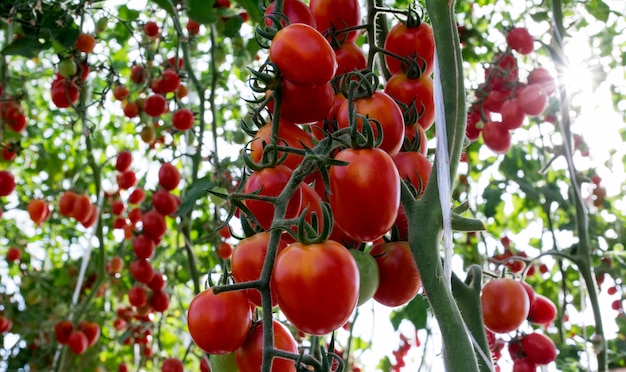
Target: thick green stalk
<point x="425" y="215"/>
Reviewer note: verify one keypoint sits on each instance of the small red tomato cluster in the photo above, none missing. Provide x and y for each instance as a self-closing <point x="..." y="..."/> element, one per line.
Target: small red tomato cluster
<point x="503" y="101"/>
<point x="77" y="338"/>
<point x="78" y="206"/>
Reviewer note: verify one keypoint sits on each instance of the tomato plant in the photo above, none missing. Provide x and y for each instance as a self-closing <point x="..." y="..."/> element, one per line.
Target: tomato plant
<point x="505" y="305"/>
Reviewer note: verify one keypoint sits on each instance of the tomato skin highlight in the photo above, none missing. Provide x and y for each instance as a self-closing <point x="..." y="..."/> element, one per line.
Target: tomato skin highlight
<point x="250" y="355"/>
<point x="317" y="285"/>
<point x="399" y="278"/>
<point x="505" y="305"/>
<point x="219" y="324"/>
<point x="365" y="194"/>
<point x="303" y="55"/>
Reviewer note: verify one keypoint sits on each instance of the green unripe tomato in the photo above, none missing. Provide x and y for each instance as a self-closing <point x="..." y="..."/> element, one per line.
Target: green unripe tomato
<point x="67" y="68"/>
<point x="223" y="363"/>
<point x="368" y="270"/>
<point x="102" y="24"/>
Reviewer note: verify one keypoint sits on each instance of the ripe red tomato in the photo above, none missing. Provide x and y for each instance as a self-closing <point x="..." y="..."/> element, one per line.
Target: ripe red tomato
<point x="164" y="202"/>
<point x="365" y="194"/>
<point x="329" y="123"/>
<point x="250" y="355"/>
<point x="7" y="183"/>
<point x="85" y="43"/>
<point x="532" y="99"/>
<point x="151" y="29"/>
<point x="399" y="278"/>
<point x="136" y="196"/>
<point x="416" y="94"/>
<point x="143" y="247"/>
<point x="413" y="167"/>
<point x="126" y="179"/>
<point x="289" y="135"/>
<point x="78" y="342"/>
<point x="62" y="331"/>
<point x="138" y="74"/>
<point x="505" y="305"/>
<point x="417" y="137"/>
<point x="154" y="226"/>
<point x="183" y="119"/>
<point x="503" y="75"/>
<point x="386" y="111"/>
<point x="520" y="40"/>
<point x="270" y="182"/>
<point x="172" y="365"/>
<point x="159" y="301"/>
<point x="224" y="250"/>
<point x="247" y="262"/>
<point x="317" y="297"/>
<point x="496" y="137"/>
<point x="542" y="310"/>
<point x="349" y="58"/>
<point x="168" y="82"/>
<point x="38" y="210"/>
<point x="14" y="254"/>
<point x="539" y="348"/>
<point x="155" y="105"/>
<point x="219" y="324"/>
<point x="142" y="270"/>
<point x="169" y="177"/>
<point x="409" y="42"/>
<point x="303" y="55"/>
<point x="337" y="14"/>
<point x="64" y="93"/>
<point x="524" y="365"/>
<point x="138" y="296"/>
<point x="304" y="105"/>
<point x="296" y="12"/>
<point x="512" y="114"/>
<point x="543" y="77"/>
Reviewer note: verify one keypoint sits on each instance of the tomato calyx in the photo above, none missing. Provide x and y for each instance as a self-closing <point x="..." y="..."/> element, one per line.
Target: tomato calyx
<point x="310" y="233"/>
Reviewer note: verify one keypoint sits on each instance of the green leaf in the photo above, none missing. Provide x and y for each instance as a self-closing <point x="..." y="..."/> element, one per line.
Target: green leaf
<point x="416" y="311"/>
<point x="127" y="14"/>
<point x="196" y="191"/>
<point x="598" y="9"/>
<point x="252" y="7"/>
<point x="232" y="26"/>
<point x="27" y="46"/>
<point x="66" y="36"/>
<point x="202" y="11"/>
<point x="165" y="5"/>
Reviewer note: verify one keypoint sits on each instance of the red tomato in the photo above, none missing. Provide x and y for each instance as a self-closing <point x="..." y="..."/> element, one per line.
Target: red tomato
<point x="219" y="324"/>
<point x="399" y="278"/>
<point x="504" y="74"/>
<point x="416" y="94"/>
<point x="317" y="285"/>
<point x="524" y="365"/>
<point x="414" y="167"/>
<point x="386" y="111"/>
<point x="410" y="42"/>
<point x="304" y="105"/>
<point x="169" y="177"/>
<point x="338" y="14"/>
<point x="365" y="194"/>
<point x="303" y="55"/>
<point x="542" y="310"/>
<point x="539" y="348"/>
<point x="250" y="355"/>
<point x="512" y="114"/>
<point x="183" y="119"/>
<point x="247" y="262"/>
<point x="505" y="305"/>
<point x="296" y="12"/>
<point x="520" y="40"/>
<point x="289" y="134"/>
<point x="329" y="123"/>
<point x="349" y="58"/>
<point x="78" y="342"/>
<point x="497" y="137"/>
<point x="313" y="204"/>
<point x="270" y="182"/>
<point x="418" y="141"/>
<point x="64" y="93"/>
<point x="543" y="77"/>
<point x="172" y="365"/>
<point x="7" y="183"/>
<point x="532" y="99"/>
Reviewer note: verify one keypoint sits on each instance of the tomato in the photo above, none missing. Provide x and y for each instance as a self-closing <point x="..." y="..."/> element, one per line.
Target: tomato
<point x="503" y="75"/>
<point x="169" y="177"/>
<point x="62" y="331"/>
<point x="289" y="135"/>
<point x="304" y="105"/>
<point x="154" y="226"/>
<point x="413" y="167"/>
<point x="247" y="262"/>
<point x="151" y="29"/>
<point x="365" y="193"/>
<point x="168" y="82"/>
<point x="137" y="296"/>
<point x="539" y="348"/>
<point x="303" y="55"/>
<point x="416" y="135"/>
<point x="312" y="202"/>
<point x="143" y="247"/>
<point x="541" y="76"/>
<point x="296" y="12"/>
<point x="250" y="355"/>
<point x="224" y="250"/>
<point x="317" y="285"/>
<point x="270" y="182"/>
<point x="85" y="43"/>
<point x="183" y="119"/>
<point x="142" y="270"/>
<point x="542" y="310"/>
<point x="416" y="94"/>
<point x="78" y="342"/>
<point x="172" y="365"/>
<point x="494" y="100"/>
<point x="329" y="123"/>
<point x="399" y="278"/>
<point x="164" y="202"/>
<point x="369" y="277"/>
<point x="64" y="93"/>
<point x="520" y="40"/>
<point x="337" y="14"/>
<point x="38" y="210"/>
<point x="349" y="58"/>
<point x="497" y="137"/>
<point x="219" y="324"/>
<point x="386" y="111"/>
<point x="411" y="42"/>
<point x="532" y="99"/>
<point x="126" y="179"/>
<point x="7" y="183"/>
<point x="505" y="305"/>
<point x="155" y="105"/>
<point x="159" y="301"/>
<point x="524" y="365"/>
<point x="512" y="114"/>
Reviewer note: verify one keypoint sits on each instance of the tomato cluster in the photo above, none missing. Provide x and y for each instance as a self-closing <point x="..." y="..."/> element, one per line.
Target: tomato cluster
<point x="78" y="338"/>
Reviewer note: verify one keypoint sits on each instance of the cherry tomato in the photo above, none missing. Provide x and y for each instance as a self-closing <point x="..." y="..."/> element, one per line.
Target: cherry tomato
<point x="532" y="99"/>
<point x="365" y="194"/>
<point x="296" y="12"/>
<point x="542" y="310"/>
<point x="317" y="285"/>
<point x="247" y="262"/>
<point x="512" y="114"/>
<point x="505" y="305"/>
<point x="329" y="123"/>
<point x="416" y="135"/>
<point x="304" y="105"/>
<point x="7" y="183"/>
<point x="409" y="42"/>
<point x="520" y="40"/>
<point x="524" y="365"/>
<point x="413" y="167"/>
<point x="496" y="137"/>
<point x="539" y="348"/>
<point x="303" y="55"/>
<point x="338" y="14"/>
<point x="349" y="58"/>
<point x="417" y="94"/>
<point x="368" y="274"/>
<point x="543" y="77"/>
<point x="399" y="278"/>
<point x="219" y="324"/>
<point x="250" y="355"/>
<point x="503" y="75"/>
<point x="289" y="134"/>
<point x="386" y="111"/>
<point x="270" y="182"/>
<point x="313" y="204"/>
